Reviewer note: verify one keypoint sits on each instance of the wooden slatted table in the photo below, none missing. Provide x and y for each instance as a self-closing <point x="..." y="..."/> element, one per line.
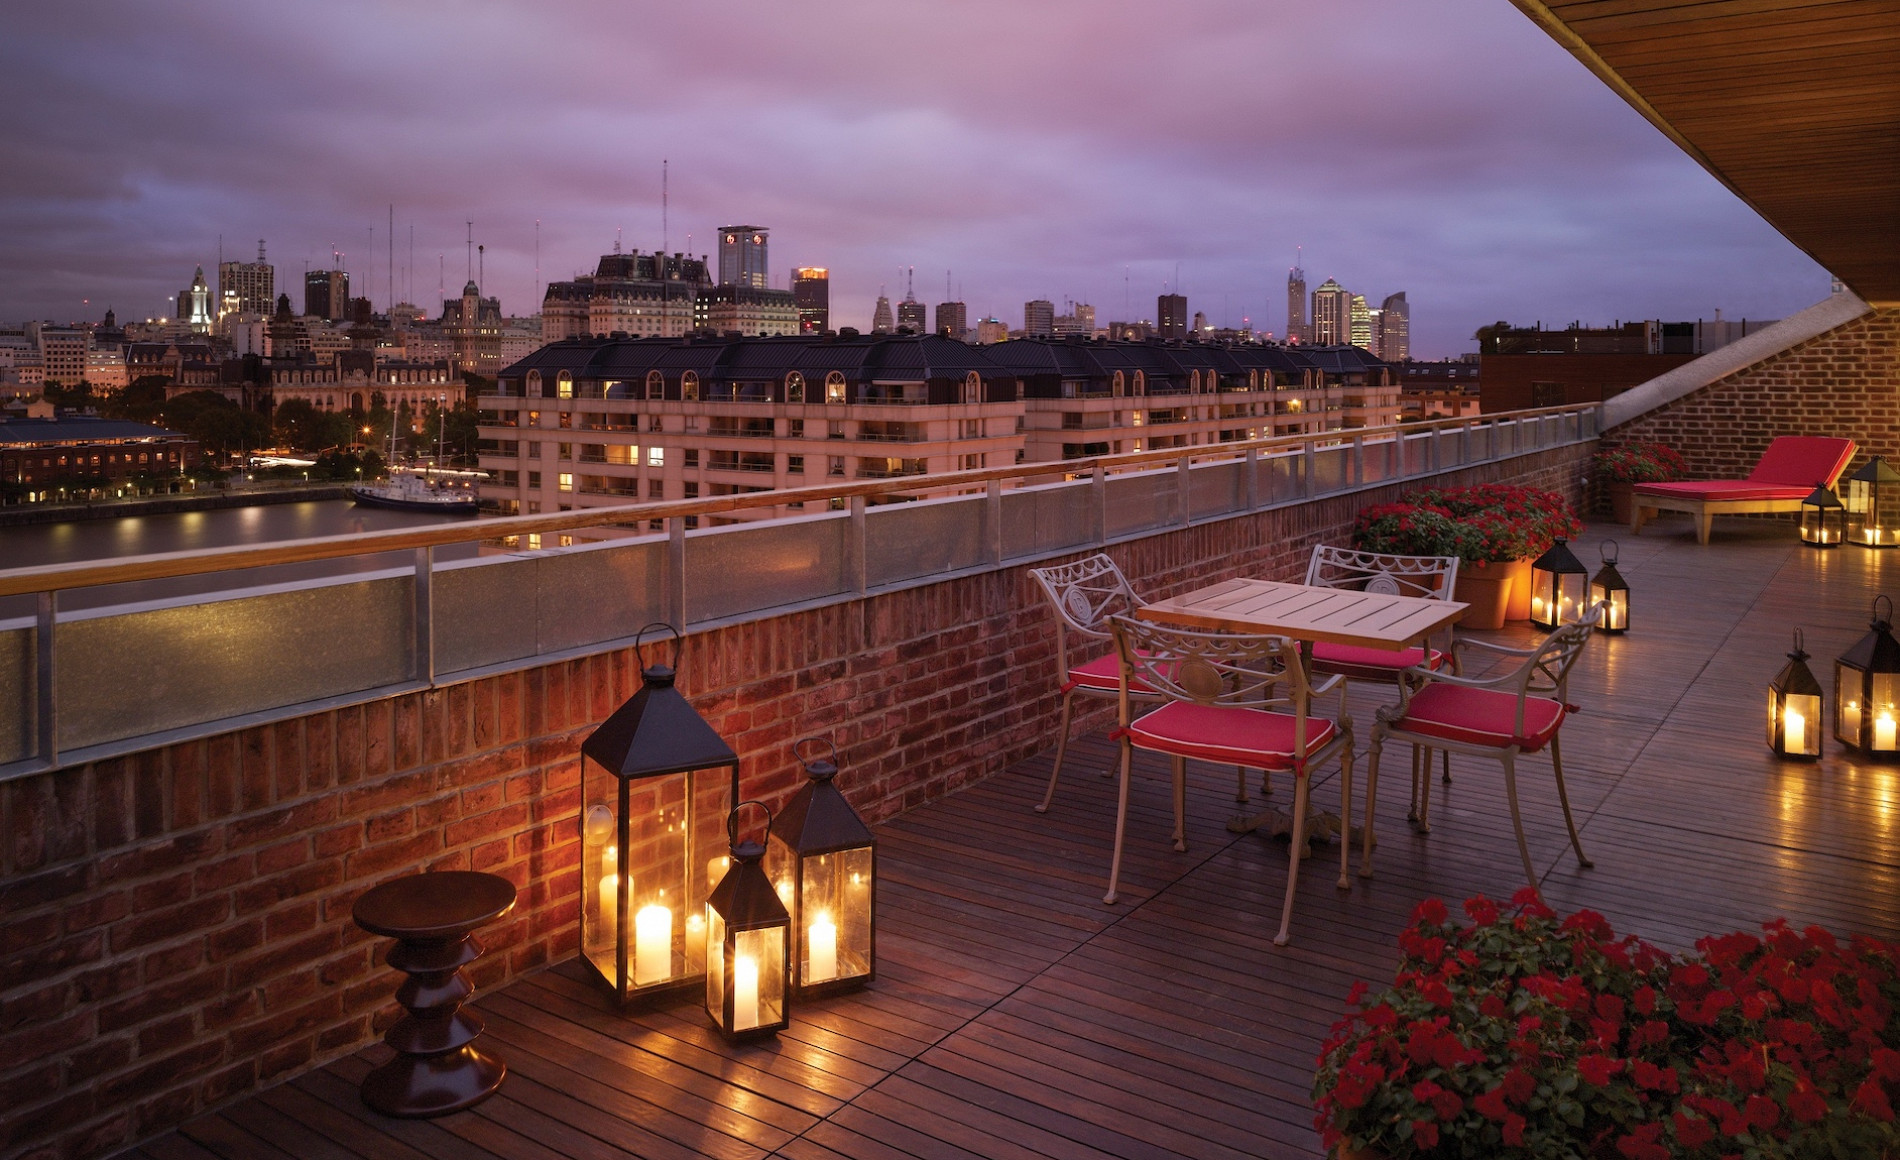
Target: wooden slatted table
<point x="1306" y="614"/>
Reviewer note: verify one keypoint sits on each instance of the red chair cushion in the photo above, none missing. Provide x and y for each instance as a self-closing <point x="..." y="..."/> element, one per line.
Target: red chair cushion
<point x="1486" y="717"/>
<point x="1803" y="461"/>
<point x="1104" y="675"/>
<point x="1227" y="735"/>
<point x="1370" y="664"/>
<point x="1720" y="489"/>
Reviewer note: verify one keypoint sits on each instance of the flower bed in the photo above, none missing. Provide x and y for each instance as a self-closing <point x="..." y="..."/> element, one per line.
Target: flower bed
<point x="1521" y="1034"/>
<point x="1638" y="463"/>
<point x="1487" y="522"/>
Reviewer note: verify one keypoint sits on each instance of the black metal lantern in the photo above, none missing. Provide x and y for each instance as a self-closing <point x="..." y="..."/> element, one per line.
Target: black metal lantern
<point x="1557" y="588"/>
<point x="1873" y="499"/>
<point x="1794" y="708"/>
<point x="1823" y="519"/>
<point x="1867" y="689"/>
<point x="823" y="858"/>
<point x="656" y="788"/>
<point x="749" y="936"/>
<point x="1610" y="589"/>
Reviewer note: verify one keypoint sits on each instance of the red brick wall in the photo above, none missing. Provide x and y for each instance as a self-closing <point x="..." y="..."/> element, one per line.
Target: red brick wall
<point x="1843" y="383"/>
<point x="175" y="925"/>
<point x="1504" y="380"/>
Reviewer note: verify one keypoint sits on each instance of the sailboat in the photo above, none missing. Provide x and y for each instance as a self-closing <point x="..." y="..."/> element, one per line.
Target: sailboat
<point x="440" y="490"/>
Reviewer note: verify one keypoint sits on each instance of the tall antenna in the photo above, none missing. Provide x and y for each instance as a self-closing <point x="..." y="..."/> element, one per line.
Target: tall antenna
<point x="470" y="276"/>
<point x="616" y="239"/>
<point x="665" y="238"/>
<point x="441" y="280"/>
<point x="537" y="260"/>
<point x="369" y="270"/>
<point x="260" y="251"/>
<point x="481" y="256"/>
<point x="409" y="275"/>
<point x="946" y="287"/>
<point x="391" y="301"/>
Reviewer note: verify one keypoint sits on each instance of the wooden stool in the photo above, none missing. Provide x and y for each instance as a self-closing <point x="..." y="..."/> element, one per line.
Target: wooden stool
<point x="437" y="1068"/>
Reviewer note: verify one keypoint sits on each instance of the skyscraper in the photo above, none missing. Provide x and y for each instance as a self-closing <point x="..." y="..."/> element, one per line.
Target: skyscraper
<point x="1332" y="314"/>
<point x="811" y="291"/>
<point x="326" y="294"/>
<point x="1359" y="329"/>
<point x="1039" y="317"/>
<point x="1395" y="329"/>
<point x="911" y="316"/>
<point x="1296" y="321"/>
<point x="247" y="287"/>
<point x="1081" y="320"/>
<point x="742" y="256"/>
<point x="881" y="317"/>
<point x="1171" y="320"/>
<point x="953" y="319"/>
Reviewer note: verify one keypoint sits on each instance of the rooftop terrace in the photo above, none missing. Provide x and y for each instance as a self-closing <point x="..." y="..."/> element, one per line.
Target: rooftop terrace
<point x="1014" y="1015"/>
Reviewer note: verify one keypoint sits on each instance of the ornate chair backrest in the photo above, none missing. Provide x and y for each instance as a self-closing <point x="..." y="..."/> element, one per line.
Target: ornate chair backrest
<point x="1546" y="672"/>
<point x="1431" y="577"/>
<point x="1232" y="670"/>
<point x="1084" y="595"/>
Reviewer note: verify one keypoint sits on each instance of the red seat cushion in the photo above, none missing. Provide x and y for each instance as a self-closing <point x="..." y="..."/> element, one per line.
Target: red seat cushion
<point x="1485" y="717"/>
<point x="1228" y="735"/>
<point x="1370" y="664"/>
<point x="1720" y="489"/>
<point x="1803" y="461"/>
<point x="1104" y="675"/>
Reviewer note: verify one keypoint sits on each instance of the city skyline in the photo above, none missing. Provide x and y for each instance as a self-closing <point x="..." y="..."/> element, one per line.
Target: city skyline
<point x="1477" y="165"/>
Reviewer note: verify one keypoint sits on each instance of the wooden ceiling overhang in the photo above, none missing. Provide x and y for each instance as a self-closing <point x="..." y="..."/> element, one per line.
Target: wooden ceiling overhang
<point x="1792" y="104"/>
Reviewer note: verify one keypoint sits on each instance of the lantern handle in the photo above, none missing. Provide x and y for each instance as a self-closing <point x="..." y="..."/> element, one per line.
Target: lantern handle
<point x="732" y="820"/>
<point x="639" y="639"/>
<point x="1887" y="619"/>
<point x="1800" y="653"/>
<point x="1607" y="551"/>
<point x="805" y="763"/>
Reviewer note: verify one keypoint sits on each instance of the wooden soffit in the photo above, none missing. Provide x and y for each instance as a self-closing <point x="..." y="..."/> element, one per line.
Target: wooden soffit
<point x="1792" y="104"/>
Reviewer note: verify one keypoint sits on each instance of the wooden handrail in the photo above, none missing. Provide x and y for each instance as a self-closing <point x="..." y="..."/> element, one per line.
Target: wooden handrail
<point x="60" y="577"/>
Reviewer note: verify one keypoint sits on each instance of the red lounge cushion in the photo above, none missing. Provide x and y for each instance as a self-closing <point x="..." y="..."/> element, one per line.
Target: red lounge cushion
<point x="1481" y="717"/>
<point x="1723" y="489"/>
<point x="1803" y="461"/>
<point x="1254" y="738"/>
<point x="1369" y="664"/>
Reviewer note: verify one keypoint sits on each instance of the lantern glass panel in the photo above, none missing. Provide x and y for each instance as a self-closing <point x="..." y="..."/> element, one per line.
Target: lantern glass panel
<point x="1848" y="696"/>
<point x="1616" y="606"/>
<point x="1822" y="526"/>
<point x="835" y="916"/>
<point x="1794" y="724"/>
<point x="751" y="994"/>
<point x="1884" y="705"/>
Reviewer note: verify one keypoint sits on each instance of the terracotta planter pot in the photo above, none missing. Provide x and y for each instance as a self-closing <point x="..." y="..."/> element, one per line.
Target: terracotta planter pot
<point x="1619" y="491"/>
<point x="1520" y="598"/>
<point x="1486" y="587"/>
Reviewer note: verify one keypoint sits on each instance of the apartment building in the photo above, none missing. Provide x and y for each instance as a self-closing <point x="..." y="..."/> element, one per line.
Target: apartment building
<point x="595" y="422"/>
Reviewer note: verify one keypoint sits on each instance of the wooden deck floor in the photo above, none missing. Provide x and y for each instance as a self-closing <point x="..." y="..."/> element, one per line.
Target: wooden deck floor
<point x="1015" y="1016"/>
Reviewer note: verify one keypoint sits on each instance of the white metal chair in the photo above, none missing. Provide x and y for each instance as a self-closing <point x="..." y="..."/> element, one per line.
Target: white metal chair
<point x="1234" y="699"/>
<point x="1498" y="717"/>
<point x="1429" y="577"/>
<point x="1084" y="595"/>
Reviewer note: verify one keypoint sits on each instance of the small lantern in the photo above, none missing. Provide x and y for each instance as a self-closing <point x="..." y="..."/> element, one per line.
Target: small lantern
<point x="1557" y="588"/>
<point x="823" y="859"/>
<point x="1867" y="689"/>
<point x="1823" y="519"/>
<point x="1873" y="497"/>
<point x="656" y="788"/>
<point x="749" y="935"/>
<point x="1794" y="708"/>
<point x="1610" y="589"/>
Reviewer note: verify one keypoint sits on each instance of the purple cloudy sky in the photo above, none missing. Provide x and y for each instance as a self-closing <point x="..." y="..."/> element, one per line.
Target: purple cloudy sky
<point x="1067" y="149"/>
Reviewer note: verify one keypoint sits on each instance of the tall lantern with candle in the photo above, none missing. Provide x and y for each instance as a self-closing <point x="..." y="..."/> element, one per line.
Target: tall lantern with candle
<point x="1867" y="689"/>
<point x="1873" y="502"/>
<point x="823" y="857"/>
<point x="1823" y="519"/>
<point x="656" y="787"/>
<point x="1610" y="589"/>
<point x="1558" y="580"/>
<point x="1794" y="708"/>
<point x="748" y="942"/>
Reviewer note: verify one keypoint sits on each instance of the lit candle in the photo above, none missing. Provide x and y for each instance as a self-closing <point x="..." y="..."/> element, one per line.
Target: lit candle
<point x="695" y="940"/>
<point x="1884" y="730"/>
<point x="716" y="869"/>
<point x="745" y="993"/>
<point x="822" y="939"/>
<point x="653" y="947"/>
<point x="609" y="914"/>
<point x="1794" y="732"/>
<point x="1537" y="607"/>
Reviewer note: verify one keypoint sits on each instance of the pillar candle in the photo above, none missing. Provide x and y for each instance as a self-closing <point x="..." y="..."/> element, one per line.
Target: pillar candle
<point x="745" y="993"/>
<point x="1884" y="730"/>
<point x="653" y="946"/>
<point x="695" y="941"/>
<point x="822" y="940"/>
<point x="1794" y="732"/>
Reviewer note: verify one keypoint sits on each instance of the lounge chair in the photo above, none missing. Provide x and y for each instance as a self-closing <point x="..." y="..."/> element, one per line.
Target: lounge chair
<point x="1790" y="470"/>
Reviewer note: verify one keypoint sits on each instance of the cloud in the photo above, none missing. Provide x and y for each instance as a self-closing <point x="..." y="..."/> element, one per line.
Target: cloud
<point x="1068" y="149"/>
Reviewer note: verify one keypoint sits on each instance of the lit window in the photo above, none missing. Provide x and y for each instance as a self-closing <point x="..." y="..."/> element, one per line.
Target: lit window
<point x="567" y="482"/>
<point x="656" y="457"/>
